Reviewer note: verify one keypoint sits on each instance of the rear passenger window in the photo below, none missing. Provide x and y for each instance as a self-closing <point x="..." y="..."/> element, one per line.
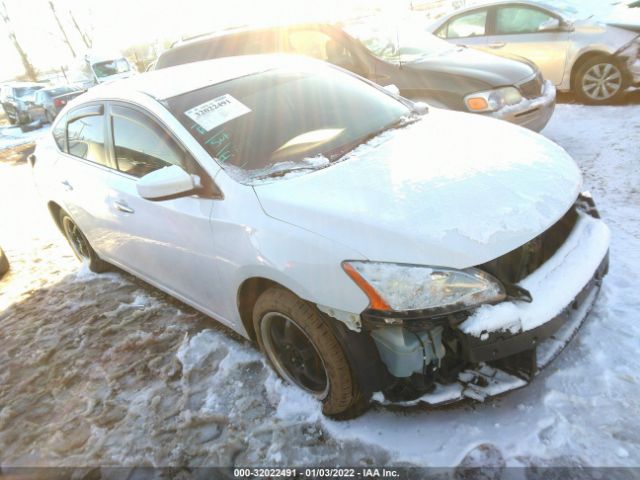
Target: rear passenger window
<point x="142" y="146"/>
<point x="85" y="139"/>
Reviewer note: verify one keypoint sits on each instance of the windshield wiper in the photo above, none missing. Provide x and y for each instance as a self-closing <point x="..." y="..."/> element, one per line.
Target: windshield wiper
<point x="343" y="150"/>
<point x="284" y="171"/>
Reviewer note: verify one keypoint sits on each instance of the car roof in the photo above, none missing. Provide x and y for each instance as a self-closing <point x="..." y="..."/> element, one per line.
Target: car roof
<point x="489" y="3"/>
<point x="172" y="81"/>
<point x="237" y="30"/>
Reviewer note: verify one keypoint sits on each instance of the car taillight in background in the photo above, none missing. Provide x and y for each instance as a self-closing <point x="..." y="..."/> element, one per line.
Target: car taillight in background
<point x="58" y="102"/>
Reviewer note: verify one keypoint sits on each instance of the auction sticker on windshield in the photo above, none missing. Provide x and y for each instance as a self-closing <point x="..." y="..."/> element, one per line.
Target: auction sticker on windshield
<point x="214" y="113"/>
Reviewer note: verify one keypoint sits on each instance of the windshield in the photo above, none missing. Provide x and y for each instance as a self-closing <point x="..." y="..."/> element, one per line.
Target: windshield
<point x="26" y="92"/>
<point x="405" y="42"/>
<point x="111" y="67"/>
<point x="285" y="117"/>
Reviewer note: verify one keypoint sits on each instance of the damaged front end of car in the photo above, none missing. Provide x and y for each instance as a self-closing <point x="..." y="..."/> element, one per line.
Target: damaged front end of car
<point x="444" y="334"/>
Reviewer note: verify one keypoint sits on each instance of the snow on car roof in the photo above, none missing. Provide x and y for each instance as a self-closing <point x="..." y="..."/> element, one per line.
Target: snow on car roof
<point x="173" y="81"/>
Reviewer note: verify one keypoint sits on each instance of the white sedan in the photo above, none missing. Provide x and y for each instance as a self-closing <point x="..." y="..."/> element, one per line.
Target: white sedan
<point x="596" y="61"/>
<point x="367" y="243"/>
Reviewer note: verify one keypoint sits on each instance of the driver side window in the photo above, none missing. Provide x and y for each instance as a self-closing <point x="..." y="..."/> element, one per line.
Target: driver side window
<point x="141" y="146"/>
<point x="514" y="20"/>
<point x="316" y="44"/>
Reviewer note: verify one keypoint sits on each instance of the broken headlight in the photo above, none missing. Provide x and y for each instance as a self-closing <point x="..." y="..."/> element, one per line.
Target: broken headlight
<point x="395" y="287"/>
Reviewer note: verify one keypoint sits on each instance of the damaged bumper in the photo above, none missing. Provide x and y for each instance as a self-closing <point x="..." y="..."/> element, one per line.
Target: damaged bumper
<point x="497" y="348"/>
<point x="533" y="113"/>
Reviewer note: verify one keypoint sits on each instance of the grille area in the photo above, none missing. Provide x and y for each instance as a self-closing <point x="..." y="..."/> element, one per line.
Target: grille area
<point x="532" y="88"/>
<point x="517" y="264"/>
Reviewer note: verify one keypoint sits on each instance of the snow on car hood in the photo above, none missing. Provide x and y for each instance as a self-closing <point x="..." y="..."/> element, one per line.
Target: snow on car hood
<point x="453" y="189"/>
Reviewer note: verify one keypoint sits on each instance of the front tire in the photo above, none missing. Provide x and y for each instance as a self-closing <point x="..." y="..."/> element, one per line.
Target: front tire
<point x="599" y="81"/>
<point x="303" y="349"/>
<point x="80" y="245"/>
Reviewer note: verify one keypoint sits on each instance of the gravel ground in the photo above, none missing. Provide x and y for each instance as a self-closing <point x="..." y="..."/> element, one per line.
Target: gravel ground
<point x="106" y="370"/>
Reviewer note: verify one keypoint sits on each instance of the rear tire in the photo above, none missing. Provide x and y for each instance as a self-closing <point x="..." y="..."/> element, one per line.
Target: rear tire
<point x="80" y="245"/>
<point x="599" y="81"/>
<point x="303" y="349"/>
<point x="48" y="116"/>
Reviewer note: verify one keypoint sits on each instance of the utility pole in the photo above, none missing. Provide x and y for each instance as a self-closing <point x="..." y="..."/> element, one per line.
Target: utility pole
<point x="64" y="34"/>
<point x="26" y="63"/>
<point x="83" y="34"/>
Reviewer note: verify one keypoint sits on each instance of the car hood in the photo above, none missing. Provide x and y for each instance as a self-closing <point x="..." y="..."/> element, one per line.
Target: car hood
<point x="493" y="70"/>
<point x="453" y="189"/>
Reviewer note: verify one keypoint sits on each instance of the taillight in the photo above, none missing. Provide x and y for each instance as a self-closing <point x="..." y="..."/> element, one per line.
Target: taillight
<point x="58" y="103"/>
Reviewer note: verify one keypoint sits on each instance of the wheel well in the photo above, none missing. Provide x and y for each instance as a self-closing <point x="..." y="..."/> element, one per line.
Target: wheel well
<point x="55" y="210"/>
<point x="585" y="57"/>
<point x="248" y="294"/>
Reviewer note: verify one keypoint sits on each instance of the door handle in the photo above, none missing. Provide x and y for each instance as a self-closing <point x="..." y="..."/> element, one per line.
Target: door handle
<point x="497" y="45"/>
<point x="123" y="207"/>
<point x="67" y="186"/>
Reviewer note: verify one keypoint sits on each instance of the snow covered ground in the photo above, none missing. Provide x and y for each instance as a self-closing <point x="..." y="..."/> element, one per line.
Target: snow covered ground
<point x="105" y="370"/>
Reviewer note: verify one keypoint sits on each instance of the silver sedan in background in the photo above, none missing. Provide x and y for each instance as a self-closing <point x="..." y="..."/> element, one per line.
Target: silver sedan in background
<point x="595" y="61"/>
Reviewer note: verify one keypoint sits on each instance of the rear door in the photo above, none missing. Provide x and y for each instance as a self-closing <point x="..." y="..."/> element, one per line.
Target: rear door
<point x="532" y="33"/>
<point x="83" y="173"/>
<point x="168" y="242"/>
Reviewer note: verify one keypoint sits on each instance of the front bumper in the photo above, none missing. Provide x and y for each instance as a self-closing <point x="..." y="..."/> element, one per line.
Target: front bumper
<point x="502" y="347"/>
<point x="534" y="113"/>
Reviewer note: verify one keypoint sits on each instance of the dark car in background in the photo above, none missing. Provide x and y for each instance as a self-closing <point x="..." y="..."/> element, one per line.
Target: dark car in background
<point x="14" y="96"/>
<point x="422" y="66"/>
<point x="45" y="104"/>
<point x="4" y="263"/>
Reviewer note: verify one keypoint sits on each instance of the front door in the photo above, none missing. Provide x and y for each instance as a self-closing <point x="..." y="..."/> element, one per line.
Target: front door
<point x="167" y="242"/>
<point x="534" y="34"/>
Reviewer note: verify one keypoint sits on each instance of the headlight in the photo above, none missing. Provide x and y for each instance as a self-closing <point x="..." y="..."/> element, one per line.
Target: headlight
<point x="402" y="288"/>
<point x="493" y="100"/>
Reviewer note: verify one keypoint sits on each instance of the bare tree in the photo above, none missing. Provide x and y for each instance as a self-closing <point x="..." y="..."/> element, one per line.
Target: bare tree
<point x="64" y="34"/>
<point x="83" y="34"/>
<point x="29" y="70"/>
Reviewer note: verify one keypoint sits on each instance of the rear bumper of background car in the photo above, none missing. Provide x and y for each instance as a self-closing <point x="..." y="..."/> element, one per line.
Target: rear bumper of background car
<point x="533" y="113"/>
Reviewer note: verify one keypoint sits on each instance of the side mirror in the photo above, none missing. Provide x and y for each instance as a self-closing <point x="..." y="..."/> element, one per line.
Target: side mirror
<point x="551" y="25"/>
<point x="421" y="108"/>
<point x="567" y="26"/>
<point x="392" y="89"/>
<point x="168" y="182"/>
